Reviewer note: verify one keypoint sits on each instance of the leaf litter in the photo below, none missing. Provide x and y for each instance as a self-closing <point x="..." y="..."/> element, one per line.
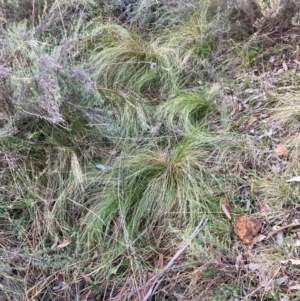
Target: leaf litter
<point x="246" y="228"/>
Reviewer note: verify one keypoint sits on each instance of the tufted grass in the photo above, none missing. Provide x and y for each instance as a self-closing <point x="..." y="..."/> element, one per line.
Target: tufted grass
<point x="185" y="112"/>
<point x="124" y="61"/>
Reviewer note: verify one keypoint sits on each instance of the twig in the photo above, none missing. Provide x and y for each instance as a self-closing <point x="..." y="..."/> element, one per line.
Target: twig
<point x="157" y="279"/>
<point x="282" y="228"/>
<point x="33" y="12"/>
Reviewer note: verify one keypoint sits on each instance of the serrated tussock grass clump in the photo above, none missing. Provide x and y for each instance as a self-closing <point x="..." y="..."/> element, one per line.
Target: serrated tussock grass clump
<point x="185" y="111"/>
<point x="197" y="33"/>
<point x="151" y="17"/>
<point x="288" y="108"/>
<point x="153" y="196"/>
<point x="140" y="177"/>
<point x="124" y="61"/>
<point x="38" y="200"/>
<point x="274" y="193"/>
<point x="131" y="112"/>
<point x="193" y="34"/>
<point x="154" y="185"/>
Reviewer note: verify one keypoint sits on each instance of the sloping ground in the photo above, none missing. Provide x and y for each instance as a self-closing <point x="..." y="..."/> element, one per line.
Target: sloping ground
<point x="143" y="143"/>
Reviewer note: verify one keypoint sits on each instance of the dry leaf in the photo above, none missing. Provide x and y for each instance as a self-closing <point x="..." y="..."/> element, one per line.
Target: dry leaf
<point x="86" y="278"/>
<point x="245" y="193"/>
<point x="281" y="150"/>
<point x="295" y="261"/>
<point x="54" y="243"/>
<point x="253" y="266"/>
<point x="258" y="238"/>
<point x="250" y="90"/>
<point x="276" y="168"/>
<point x="276" y="228"/>
<point x="246" y="228"/>
<point x="113" y="152"/>
<point x="264" y="280"/>
<point x="225" y="206"/>
<point x="65" y="243"/>
<point x="279" y="238"/>
<point x="225" y="211"/>
<point x="272" y="59"/>
<point x="279" y="71"/>
<point x="285" y="66"/>
<point x="179" y="297"/>
<point x="294" y="179"/>
<point x="239" y="262"/>
<point x="265" y="208"/>
<point x="58" y="286"/>
<point x="284" y="289"/>
<point x="296" y="243"/>
<point x="281" y="280"/>
<point x="160" y="263"/>
<point x="251" y="121"/>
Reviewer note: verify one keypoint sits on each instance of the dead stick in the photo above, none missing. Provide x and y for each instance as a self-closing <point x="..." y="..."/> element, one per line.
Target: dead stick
<point x="282" y="228"/>
<point x="156" y="280"/>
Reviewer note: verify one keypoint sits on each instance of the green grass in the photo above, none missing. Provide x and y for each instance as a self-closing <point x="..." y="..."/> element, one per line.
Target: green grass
<point x="195" y="33"/>
<point x="121" y="60"/>
<point x="185" y="112"/>
<point x="122" y="125"/>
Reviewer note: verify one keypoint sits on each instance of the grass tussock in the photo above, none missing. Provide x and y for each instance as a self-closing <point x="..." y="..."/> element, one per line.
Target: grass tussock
<point x="123" y="124"/>
<point x="196" y="34"/>
<point x="150" y="184"/>
<point x="185" y="111"/>
<point x="124" y="61"/>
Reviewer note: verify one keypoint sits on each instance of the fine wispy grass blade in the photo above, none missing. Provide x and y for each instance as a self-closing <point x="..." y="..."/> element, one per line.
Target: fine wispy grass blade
<point x="185" y="112"/>
<point x="122" y="60"/>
